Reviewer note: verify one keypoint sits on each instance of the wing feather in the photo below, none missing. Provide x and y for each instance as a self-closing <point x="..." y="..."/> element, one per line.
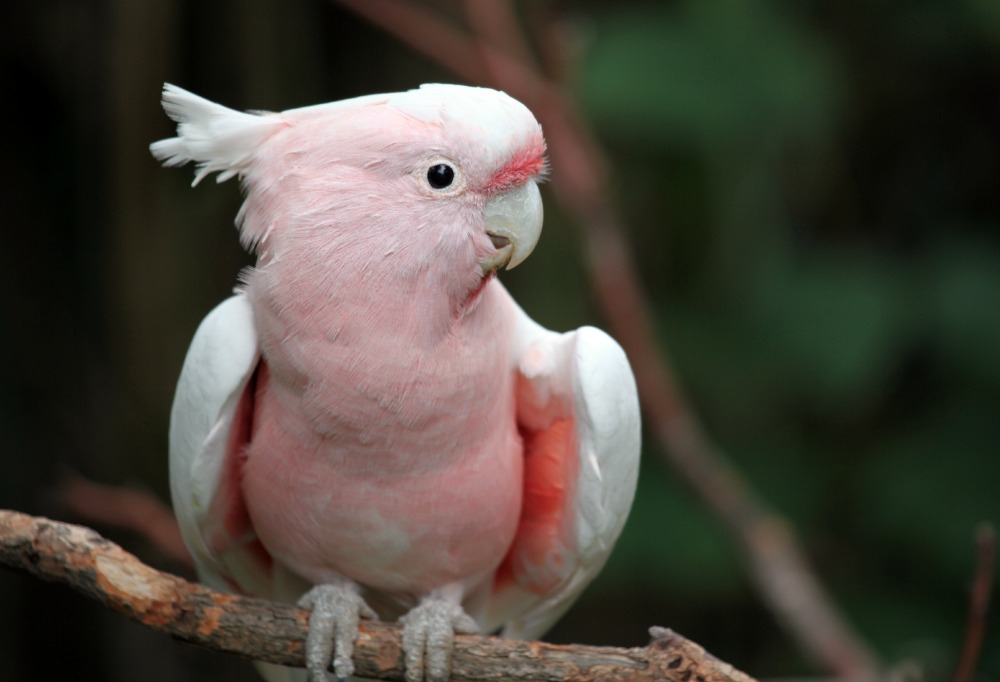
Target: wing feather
<point x="207" y="408"/>
<point x="583" y="378"/>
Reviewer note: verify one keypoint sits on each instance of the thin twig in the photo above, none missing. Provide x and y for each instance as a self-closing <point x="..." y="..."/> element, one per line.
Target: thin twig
<point x="579" y="181"/>
<point x="438" y="40"/>
<point x="275" y="633"/>
<point x="497" y="22"/>
<point x="979" y="602"/>
<point x="134" y="510"/>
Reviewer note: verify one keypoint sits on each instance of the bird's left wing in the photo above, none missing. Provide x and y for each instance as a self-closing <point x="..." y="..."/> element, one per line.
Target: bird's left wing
<point x="578" y="413"/>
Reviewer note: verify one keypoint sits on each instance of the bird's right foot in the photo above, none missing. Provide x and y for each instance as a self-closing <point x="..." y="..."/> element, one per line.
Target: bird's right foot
<point x="336" y="609"/>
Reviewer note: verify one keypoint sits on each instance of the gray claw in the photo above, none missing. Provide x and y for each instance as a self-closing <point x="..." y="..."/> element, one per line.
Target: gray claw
<point x="333" y="627"/>
<point x="429" y="635"/>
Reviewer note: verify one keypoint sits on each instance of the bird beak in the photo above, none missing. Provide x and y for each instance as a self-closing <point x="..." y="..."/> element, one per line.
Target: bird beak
<point x="513" y="223"/>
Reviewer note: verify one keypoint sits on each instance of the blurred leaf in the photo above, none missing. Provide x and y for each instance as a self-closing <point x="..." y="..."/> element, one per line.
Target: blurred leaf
<point x="962" y="287"/>
<point x="707" y="71"/>
<point x="828" y="330"/>
<point x="983" y="17"/>
<point x="720" y="364"/>
<point x="672" y="536"/>
<point x="906" y="631"/>
<point x="837" y="324"/>
<point x="787" y="472"/>
<point x="929" y="486"/>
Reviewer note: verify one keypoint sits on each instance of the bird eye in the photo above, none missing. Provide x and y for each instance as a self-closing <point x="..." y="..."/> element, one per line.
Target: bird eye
<point x="440" y="175"/>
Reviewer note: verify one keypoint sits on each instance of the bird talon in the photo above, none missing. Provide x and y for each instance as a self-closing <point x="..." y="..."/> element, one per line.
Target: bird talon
<point x="429" y="636"/>
<point x="336" y="609"/>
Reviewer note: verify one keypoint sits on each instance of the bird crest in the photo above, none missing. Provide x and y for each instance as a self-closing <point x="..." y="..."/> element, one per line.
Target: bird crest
<point x="216" y="138"/>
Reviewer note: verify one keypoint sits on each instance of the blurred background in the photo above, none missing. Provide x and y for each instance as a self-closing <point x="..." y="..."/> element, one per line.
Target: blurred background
<point x="813" y="192"/>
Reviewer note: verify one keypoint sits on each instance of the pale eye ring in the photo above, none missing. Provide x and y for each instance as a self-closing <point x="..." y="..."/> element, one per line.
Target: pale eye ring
<point x="440" y="175"/>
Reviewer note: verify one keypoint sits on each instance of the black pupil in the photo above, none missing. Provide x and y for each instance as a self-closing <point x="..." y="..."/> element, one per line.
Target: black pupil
<point x="440" y="175"/>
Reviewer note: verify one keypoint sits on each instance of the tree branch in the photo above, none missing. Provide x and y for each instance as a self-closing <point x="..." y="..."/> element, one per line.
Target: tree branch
<point x="275" y="633"/>
<point x="979" y="604"/>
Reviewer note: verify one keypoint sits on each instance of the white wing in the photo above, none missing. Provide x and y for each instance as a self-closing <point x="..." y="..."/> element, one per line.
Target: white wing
<point x="582" y="378"/>
<point x="218" y="367"/>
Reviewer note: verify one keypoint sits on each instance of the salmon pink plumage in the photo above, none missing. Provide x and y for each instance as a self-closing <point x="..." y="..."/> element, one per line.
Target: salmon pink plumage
<point x="371" y="424"/>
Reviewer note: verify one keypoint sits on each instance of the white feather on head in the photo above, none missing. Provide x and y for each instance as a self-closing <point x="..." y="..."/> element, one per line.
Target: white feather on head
<point x="233" y="143"/>
<point x="216" y="138"/>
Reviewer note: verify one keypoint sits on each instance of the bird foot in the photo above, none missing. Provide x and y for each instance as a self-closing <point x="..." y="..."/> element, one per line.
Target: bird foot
<point x="336" y="609"/>
<point x="429" y="635"/>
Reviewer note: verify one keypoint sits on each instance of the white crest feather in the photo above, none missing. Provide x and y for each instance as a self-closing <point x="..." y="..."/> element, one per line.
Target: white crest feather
<point x="217" y="138"/>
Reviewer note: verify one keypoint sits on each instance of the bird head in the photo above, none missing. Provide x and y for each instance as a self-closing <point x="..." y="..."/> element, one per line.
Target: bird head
<point x="435" y="183"/>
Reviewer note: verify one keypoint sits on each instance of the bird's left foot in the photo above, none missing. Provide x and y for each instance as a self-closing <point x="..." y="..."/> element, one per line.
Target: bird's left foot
<point x="429" y="635"/>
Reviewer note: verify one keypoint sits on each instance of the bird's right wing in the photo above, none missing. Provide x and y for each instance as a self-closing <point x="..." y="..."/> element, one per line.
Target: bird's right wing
<point x="209" y="425"/>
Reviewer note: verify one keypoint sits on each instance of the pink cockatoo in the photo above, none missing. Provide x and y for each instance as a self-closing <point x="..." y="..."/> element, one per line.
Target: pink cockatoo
<point x="371" y="423"/>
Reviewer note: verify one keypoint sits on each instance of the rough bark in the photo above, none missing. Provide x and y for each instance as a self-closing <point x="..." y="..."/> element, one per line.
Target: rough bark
<point x="275" y="633"/>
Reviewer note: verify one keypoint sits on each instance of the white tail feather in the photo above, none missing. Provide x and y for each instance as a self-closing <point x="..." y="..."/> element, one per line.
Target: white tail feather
<point x="217" y="138"/>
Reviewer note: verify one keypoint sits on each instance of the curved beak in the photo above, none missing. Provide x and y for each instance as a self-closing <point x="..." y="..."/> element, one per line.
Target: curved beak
<point x="514" y="223"/>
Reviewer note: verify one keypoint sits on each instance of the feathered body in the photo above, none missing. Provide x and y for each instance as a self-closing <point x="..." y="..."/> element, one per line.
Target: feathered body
<point x="425" y="457"/>
<point x="379" y="338"/>
<point x="373" y="406"/>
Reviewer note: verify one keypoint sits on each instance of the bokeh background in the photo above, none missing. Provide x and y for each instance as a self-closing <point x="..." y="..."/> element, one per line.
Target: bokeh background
<point x="813" y="192"/>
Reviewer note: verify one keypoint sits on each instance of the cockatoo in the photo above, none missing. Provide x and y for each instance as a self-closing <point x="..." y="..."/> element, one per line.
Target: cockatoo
<point x="371" y="423"/>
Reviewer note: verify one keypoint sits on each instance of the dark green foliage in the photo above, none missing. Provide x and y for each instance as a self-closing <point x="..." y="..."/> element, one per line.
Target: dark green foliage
<point x="816" y="191"/>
